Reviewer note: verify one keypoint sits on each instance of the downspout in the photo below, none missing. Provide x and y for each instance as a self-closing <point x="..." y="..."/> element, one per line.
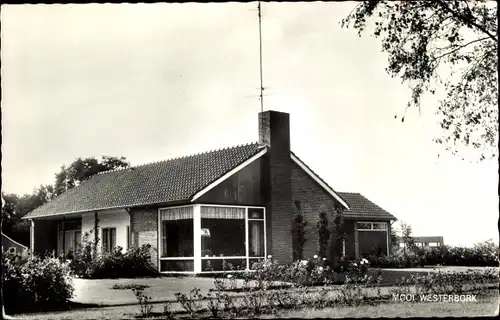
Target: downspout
<point x="96" y="232"/>
<point x="129" y="235"/>
<point x="32" y="237"/>
<point x="63" y="237"/>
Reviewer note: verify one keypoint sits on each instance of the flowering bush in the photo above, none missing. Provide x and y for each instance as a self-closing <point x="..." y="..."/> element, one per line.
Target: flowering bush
<point x="136" y="262"/>
<point x="313" y="271"/>
<point x="36" y="284"/>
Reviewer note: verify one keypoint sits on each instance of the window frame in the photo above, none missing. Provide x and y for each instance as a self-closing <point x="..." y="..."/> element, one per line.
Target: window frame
<point x="104" y="242"/>
<point x="197" y="237"/>
<point x="372" y="226"/>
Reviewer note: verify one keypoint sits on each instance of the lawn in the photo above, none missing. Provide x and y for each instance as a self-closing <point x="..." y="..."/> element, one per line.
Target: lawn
<point x="486" y="305"/>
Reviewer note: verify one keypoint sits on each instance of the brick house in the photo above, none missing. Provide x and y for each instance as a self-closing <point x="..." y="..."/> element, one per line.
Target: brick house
<point x="234" y="205"/>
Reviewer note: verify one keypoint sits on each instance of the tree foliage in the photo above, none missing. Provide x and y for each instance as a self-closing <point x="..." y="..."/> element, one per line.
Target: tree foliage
<point x="456" y="40"/>
<point x="81" y="169"/>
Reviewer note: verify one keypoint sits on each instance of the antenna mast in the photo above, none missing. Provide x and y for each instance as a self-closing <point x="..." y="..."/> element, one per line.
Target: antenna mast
<point x="260" y="55"/>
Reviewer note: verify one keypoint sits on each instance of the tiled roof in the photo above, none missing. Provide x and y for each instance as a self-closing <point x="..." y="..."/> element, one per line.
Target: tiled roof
<point x="362" y="207"/>
<point x="161" y="182"/>
<point x="429" y="239"/>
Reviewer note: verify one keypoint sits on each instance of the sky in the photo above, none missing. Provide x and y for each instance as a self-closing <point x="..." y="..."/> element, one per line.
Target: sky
<point x="156" y="81"/>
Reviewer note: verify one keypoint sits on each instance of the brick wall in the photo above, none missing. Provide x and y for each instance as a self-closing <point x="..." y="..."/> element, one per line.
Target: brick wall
<point x="313" y="199"/>
<point x="144" y="229"/>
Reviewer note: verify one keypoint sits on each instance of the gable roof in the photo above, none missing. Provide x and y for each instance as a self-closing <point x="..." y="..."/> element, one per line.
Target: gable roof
<point x="180" y="180"/>
<point x="173" y="180"/>
<point x="361" y="207"/>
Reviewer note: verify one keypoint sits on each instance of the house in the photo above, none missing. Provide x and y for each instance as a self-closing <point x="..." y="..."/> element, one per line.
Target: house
<point x="234" y="205"/>
<point x="436" y="241"/>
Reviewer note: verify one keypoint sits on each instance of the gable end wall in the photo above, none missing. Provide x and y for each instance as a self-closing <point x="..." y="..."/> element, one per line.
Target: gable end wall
<point x="313" y="199"/>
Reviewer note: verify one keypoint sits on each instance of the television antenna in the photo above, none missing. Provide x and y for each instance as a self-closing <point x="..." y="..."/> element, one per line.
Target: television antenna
<point x="260" y="59"/>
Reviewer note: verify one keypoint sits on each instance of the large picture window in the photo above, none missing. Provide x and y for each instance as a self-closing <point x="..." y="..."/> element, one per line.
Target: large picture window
<point x="207" y="237"/>
<point x="222" y="234"/>
<point x="177" y="232"/>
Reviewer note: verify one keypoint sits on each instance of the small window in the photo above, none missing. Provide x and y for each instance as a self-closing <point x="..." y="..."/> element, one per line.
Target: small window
<point x="380" y="226"/>
<point x="255" y="213"/>
<point x="108" y="239"/>
<point x="128" y="237"/>
<point x="364" y="226"/>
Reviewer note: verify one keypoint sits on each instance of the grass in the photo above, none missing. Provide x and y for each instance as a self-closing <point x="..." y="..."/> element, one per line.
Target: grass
<point x="486" y="305"/>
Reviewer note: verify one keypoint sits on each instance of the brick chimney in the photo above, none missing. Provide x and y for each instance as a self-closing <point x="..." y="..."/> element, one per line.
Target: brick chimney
<point x="274" y="132"/>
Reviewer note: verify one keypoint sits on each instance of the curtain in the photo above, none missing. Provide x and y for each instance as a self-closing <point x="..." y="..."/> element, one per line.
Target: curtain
<point x="176" y="213"/>
<point x="257" y="238"/>
<point x="222" y="213"/>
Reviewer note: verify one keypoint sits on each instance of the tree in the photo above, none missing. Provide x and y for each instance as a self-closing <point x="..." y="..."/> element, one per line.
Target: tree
<point x="425" y="40"/>
<point x="407" y="238"/>
<point x="323" y="234"/>
<point x="81" y="169"/>
<point x="298" y="233"/>
<point x="394" y="238"/>
<point x="337" y="236"/>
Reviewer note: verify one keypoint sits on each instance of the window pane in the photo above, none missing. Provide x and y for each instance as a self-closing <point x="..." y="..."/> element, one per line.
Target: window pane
<point x="223" y="264"/>
<point x="256" y="238"/>
<point x="182" y="213"/>
<point x="364" y="225"/>
<point x="105" y="240"/>
<point x="380" y="226"/>
<point x="78" y="240"/>
<point x="372" y="243"/>
<point x="176" y="265"/>
<point x="113" y="238"/>
<point x="231" y="213"/>
<point x="222" y="237"/>
<point x="255" y="213"/>
<point x="177" y="238"/>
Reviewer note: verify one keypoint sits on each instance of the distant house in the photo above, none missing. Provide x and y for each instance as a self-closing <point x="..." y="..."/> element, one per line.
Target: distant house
<point x="12" y="246"/>
<point x="436" y="241"/>
<point x="234" y="205"/>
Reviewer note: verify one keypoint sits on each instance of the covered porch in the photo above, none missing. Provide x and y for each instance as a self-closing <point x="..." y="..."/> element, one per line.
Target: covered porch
<point x="63" y="234"/>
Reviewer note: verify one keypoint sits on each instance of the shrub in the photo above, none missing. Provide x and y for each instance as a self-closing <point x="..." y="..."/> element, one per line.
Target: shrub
<point x="136" y="262"/>
<point x="190" y="302"/>
<point x="36" y="284"/>
<point x="481" y="254"/>
<point x="145" y="306"/>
